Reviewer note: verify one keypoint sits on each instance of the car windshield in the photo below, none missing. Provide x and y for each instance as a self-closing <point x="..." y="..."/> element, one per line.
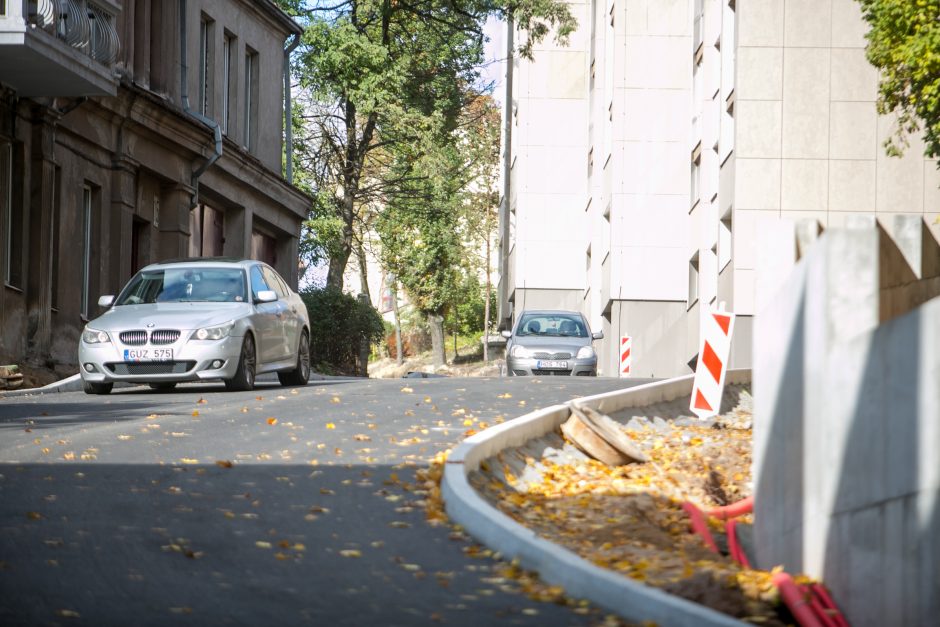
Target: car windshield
<point x="176" y="285"/>
<point x="556" y="325"/>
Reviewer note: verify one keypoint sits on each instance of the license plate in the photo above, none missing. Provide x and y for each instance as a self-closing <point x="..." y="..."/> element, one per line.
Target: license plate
<point x="545" y="365"/>
<point x="148" y="354"/>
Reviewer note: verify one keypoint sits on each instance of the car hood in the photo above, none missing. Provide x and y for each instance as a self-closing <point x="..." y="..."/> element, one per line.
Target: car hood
<point x="552" y="344"/>
<point x="182" y="316"/>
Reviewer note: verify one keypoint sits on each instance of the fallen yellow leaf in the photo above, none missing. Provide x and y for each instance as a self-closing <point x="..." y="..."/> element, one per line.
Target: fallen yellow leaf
<point x="272" y="421"/>
<point x="330" y="425"/>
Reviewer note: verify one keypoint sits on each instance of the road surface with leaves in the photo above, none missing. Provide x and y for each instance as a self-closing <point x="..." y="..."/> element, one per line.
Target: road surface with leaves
<point x="278" y="506"/>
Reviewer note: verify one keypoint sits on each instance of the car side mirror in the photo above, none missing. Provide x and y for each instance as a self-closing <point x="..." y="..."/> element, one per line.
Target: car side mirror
<point x="105" y="301"/>
<point x="506" y="334"/>
<point x="599" y="335"/>
<point x="266" y="296"/>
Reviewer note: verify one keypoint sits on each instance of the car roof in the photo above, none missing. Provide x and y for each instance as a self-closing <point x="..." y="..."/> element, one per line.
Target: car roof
<point x="206" y="262"/>
<point x="549" y="312"/>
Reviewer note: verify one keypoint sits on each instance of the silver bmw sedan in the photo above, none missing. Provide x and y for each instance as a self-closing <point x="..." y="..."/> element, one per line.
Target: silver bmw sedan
<point x="198" y="320"/>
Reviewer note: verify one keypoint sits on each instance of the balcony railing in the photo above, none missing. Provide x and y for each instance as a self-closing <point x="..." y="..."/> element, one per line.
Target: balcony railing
<point x="85" y="26"/>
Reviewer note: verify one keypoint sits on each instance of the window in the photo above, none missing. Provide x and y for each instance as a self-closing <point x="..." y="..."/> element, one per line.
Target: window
<point x="228" y="62"/>
<point x="251" y="99"/>
<point x="257" y="282"/>
<point x="274" y="281"/>
<point x="206" y="232"/>
<point x="693" y="280"/>
<point x="695" y="190"/>
<point x="86" y="249"/>
<point x="160" y="64"/>
<point x="263" y="248"/>
<point x="725" y="232"/>
<point x="205" y="66"/>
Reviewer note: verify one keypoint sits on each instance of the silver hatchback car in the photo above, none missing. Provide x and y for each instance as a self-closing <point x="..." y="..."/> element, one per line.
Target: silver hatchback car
<point x="198" y="320"/>
<point x="551" y="343"/>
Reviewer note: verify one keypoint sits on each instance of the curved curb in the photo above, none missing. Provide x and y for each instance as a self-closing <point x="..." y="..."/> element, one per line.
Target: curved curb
<point x="555" y="564"/>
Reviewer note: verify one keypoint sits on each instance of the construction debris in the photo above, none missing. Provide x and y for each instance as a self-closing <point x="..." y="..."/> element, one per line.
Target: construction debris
<point x="10" y="377"/>
<point x="601" y="437"/>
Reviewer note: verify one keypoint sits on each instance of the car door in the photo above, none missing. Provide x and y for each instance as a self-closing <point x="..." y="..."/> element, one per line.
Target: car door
<point x="294" y="318"/>
<point x="286" y="345"/>
<point x="267" y="319"/>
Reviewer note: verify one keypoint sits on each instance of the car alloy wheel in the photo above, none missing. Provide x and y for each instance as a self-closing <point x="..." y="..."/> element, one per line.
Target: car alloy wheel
<point x="301" y="373"/>
<point x="244" y="378"/>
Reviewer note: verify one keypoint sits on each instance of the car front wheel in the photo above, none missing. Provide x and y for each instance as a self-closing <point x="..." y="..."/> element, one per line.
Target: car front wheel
<point x="97" y="388"/>
<point x="301" y="373"/>
<point x="244" y="378"/>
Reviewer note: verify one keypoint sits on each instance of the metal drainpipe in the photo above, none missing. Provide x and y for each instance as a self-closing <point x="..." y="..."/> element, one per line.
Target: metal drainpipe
<point x="504" y="243"/>
<point x="288" y="120"/>
<point x="184" y="96"/>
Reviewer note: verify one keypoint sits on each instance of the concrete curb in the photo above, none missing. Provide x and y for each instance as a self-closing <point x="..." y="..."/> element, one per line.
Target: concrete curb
<point x="555" y="564"/>
<point x="74" y="384"/>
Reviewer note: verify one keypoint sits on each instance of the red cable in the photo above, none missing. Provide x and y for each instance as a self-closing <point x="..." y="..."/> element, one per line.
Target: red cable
<point x="744" y="506"/>
<point x="700" y="525"/>
<point x="734" y="547"/>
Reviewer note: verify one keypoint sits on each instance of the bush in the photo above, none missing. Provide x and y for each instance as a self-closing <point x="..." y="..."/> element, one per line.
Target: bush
<point x="338" y="324"/>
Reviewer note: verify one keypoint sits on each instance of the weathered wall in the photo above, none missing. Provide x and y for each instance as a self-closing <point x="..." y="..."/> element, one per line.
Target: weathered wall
<point x="847" y="418"/>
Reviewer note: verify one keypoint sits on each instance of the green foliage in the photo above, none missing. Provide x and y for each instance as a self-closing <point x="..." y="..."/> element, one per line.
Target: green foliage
<point x="904" y="44"/>
<point x="338" y="324"/>
<point x="466" y="315"/>
<point x="381" y="81"/>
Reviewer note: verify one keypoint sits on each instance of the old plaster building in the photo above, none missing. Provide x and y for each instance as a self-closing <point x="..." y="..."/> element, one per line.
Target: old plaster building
<point x="643" y="156"/>
<point x="130" y="134"/>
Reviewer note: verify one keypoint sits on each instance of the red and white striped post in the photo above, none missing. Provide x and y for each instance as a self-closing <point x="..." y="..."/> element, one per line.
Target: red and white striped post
<point x="626" y="343"/>
<point x="717" y="330"/>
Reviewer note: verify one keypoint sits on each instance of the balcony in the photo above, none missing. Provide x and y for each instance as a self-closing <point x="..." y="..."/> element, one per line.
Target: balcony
<point x="61" y="48"/>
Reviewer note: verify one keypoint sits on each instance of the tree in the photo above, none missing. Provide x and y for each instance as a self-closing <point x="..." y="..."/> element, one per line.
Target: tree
<point x="421" y="243"/>
<point x="904" y="44"/>
<point x="381" y="78"/>
<point x="431" y="236"/>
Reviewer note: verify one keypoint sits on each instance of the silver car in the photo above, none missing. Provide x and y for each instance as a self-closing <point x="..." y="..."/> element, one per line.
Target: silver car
<point x="198" y="320"/>
<point x="552" y="343"/>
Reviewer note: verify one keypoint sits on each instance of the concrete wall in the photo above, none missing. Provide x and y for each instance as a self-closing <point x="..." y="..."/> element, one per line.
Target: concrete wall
<point x="847" y="417"/>
<point x="659" y="337"/>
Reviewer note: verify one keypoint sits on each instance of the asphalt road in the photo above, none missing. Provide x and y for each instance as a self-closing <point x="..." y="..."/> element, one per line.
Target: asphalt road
<point x="281" y="506"/>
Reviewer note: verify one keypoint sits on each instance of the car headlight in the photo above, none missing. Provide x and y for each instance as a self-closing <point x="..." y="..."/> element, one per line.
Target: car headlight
<point x="214" y="333"/>
<point x="586" y="352"/>
<point x="521" y="352"/>
<point x="94" y="336"/>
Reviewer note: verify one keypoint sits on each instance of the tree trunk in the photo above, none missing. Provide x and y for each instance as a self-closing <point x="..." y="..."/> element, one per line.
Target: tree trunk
<point x="338" y="262"/>
<point x="400" y="352"/>
<point x="436" y="323"/>
<point x="486" y="304"/>
<point x="363" y="271"/>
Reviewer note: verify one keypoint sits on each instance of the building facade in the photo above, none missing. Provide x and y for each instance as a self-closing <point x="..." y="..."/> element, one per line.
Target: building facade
<point x="153" y="131"/>
<point x="643" y="156"/>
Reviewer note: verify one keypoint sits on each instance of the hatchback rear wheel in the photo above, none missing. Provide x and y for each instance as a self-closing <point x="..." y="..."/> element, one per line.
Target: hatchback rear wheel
<point x="301" y="373"/>
<point x="244" y="378"/>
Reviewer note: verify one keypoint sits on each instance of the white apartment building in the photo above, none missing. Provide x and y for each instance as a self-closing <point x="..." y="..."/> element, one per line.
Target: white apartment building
<point x="643" y="157"/>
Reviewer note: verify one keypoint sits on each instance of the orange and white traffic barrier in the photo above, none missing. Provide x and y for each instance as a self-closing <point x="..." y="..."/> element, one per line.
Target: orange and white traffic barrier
<point x="626" y="359"/>
<point x="717" y="330"/>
